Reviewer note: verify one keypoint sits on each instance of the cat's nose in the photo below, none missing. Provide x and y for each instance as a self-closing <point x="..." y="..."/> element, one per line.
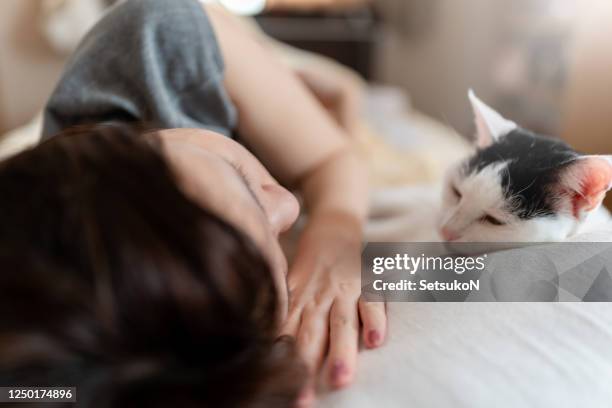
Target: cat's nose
<point x="448" y="234"/>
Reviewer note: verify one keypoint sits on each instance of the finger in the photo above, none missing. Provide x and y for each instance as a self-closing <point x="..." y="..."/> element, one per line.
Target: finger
<point x="374" y="319"/>
<point x="312" y="337"/>
<point x="343" y="343"/>
<point x="292" y="323"/>
<point x="306" y="398"/>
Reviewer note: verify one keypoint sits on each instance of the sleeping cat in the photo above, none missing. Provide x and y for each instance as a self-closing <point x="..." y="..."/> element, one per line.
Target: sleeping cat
<point x="521" y="187"/>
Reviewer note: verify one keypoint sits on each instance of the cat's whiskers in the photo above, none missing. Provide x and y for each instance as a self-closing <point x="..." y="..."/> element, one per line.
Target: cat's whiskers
<point x="530" y="184"/>
<point x="539" y="186"/>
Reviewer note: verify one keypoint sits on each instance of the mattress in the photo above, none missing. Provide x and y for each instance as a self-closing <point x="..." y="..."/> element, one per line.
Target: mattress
<point x="476" y="355"/>
<point x="479" y="355"/>
<point x="502" y="355"/>
<point x="483" y="355"/>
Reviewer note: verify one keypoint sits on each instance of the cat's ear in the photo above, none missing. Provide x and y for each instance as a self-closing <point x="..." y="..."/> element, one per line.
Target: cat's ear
<point x="584" y="184"/>
<point x="490" y="125"/>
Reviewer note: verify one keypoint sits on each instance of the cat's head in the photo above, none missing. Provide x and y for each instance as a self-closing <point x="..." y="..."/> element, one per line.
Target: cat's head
<point x="519" y="186"/>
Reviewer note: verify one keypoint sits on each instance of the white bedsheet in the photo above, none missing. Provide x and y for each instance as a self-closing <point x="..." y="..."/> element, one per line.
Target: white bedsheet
<point x="484" y="355"/>
<point x="480" y="355"/>
<point x="476" y="355"/>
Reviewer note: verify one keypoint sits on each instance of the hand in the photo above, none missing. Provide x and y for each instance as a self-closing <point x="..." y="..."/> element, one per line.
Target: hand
<point x="311" y="5"/>
<point x="338" y="89"/>
<point x="325" y="305"/>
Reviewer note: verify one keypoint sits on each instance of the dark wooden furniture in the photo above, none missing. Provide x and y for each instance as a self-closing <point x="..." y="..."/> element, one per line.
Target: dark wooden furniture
<point x="349" y="37"/>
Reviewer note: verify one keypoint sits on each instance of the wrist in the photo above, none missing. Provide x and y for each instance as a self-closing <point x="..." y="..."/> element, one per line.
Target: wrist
<point x="335" y="225"/>
<point x="339" y="186"/>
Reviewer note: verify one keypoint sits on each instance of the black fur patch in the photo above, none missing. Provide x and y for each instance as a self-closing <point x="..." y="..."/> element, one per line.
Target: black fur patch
<point x="534" y="165"/>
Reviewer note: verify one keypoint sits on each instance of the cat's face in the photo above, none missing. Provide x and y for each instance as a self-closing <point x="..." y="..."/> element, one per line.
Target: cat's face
<point x="519" y="186"/>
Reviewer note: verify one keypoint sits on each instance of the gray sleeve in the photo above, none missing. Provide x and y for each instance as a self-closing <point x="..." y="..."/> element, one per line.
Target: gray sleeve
<point x="155" y="62"/>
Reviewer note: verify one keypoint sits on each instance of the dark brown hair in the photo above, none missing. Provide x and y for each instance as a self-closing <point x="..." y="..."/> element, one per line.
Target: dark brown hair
<point x="113" y="281"/>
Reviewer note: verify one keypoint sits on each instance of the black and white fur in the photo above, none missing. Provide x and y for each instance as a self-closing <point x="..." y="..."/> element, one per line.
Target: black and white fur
<point x="519" y="186"/>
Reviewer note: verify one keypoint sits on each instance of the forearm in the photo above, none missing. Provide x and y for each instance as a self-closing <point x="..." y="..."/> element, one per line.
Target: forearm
<point x="336" y="195"/>
<point x="290" y="132"/>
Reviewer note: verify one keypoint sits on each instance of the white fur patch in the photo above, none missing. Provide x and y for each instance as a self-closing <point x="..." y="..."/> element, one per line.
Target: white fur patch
<point x="481" y="195"/>
<point x="490" y="125"/>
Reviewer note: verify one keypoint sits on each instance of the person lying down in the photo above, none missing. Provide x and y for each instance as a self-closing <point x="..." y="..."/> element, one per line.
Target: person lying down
<point x="139" y="240"/>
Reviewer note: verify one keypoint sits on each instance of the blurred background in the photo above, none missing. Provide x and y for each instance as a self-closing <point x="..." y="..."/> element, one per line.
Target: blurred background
<point x="547" y="64"/>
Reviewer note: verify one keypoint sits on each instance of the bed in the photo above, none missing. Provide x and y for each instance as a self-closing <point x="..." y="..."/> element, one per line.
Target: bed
<point x="476" y="355"/>
<point x="473" y="355"/>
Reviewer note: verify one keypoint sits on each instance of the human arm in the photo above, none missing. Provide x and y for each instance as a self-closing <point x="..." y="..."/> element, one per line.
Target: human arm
<point x="289" y="131"/>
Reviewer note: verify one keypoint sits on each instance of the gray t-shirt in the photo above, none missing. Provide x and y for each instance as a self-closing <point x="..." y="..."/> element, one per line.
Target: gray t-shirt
<point x="152" y="62"/>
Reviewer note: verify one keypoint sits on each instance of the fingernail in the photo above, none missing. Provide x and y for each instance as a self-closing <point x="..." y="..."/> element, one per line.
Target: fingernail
<point x="305" y="398"/>
<point x="374" y="338"/>
<point x="338" y="371"/>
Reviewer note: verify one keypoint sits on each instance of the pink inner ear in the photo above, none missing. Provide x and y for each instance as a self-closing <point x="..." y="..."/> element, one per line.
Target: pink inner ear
<point x="594" y="177"/>
<point x="483" y="134"/>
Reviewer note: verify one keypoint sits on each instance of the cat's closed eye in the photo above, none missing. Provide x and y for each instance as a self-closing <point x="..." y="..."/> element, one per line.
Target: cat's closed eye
<point x="456" y="192"/>
<point x="491" y="220"/>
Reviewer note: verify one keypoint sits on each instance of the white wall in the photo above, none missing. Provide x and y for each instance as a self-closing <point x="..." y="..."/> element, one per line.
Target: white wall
<point x="588" y="105"/>
<point x="445" y="57"/>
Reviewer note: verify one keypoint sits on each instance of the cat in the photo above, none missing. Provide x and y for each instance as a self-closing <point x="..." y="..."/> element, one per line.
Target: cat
<point x="521" y="187"/>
